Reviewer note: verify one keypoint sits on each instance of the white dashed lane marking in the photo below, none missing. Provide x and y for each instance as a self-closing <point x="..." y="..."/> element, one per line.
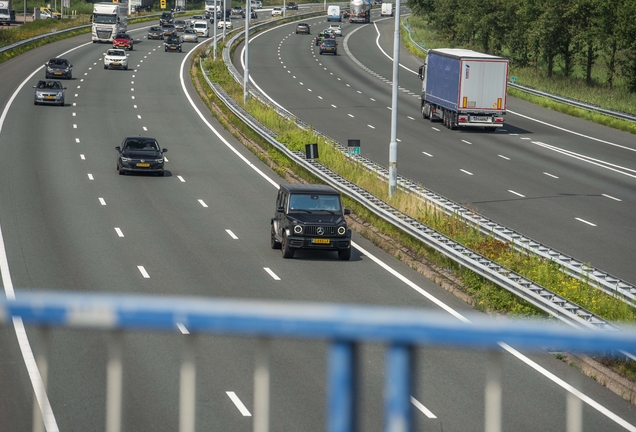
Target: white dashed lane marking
<point x="143" y="272"/>
<point x="271" y="273"/>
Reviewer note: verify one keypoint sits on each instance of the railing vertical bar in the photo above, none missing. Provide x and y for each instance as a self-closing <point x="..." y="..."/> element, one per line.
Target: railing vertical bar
<point x="187" y="391"/>
<point x="41" y="360"/>
<point x="574" y="407"/>
<point x="261" y="385"/>
<point x="399" y="366"/>
<point x="492" y="414"/>
<point x="114" y="382"/>
<point x="343" y="383"/>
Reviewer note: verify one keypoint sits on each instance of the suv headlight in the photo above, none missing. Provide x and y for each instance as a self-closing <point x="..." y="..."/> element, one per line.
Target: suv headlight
<point x="125" y="159"/>
<point x="298" y="229"/>
<point x="342" y="230"/>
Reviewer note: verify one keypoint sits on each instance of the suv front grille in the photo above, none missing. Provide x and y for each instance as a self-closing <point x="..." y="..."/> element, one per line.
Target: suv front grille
<point x="313" y="230"/>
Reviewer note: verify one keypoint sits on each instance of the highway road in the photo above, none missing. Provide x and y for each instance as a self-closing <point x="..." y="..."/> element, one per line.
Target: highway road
<point x="69" y="222"/>
<point x="563" y="181"/>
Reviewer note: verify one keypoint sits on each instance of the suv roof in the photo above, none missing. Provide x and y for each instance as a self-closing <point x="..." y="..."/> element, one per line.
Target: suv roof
<point x="309" y="188"/>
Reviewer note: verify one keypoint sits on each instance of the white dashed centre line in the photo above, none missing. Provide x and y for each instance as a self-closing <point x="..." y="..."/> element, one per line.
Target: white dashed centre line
<point x="145" y="128"/>
<point x="503" y="157"/>
<point x="372" y="127"/>
<point x="143" y="272"/>
<point x="77" y="140"/>
<point x="467" y="142"/>
<point x="238" y="404"/>
<point x="182" y="329"/>
<point x="427" y="154"/>
<point x="435" y="129"/>
<point x="135" y="106"/>
<point x="319" y="97"/>
<point x="271" y="273"/>
<point x="231" y="234"/>
<point x="181" y="179"/>
<point x="611" y="197"/>
<point x="467" y="172"/>
<point x="410" y="118"/>
<point x="372" y="99"/>
<point x="119" y="232"/>
<point x="90" y="177"/>
<point x="74" y="126"/>
<point x="350" y="115"/>
<point x="74" y="114"/>
<point x="334" y="106"/>
<point x="550" y="175"/>
<point x="203" y="203"/>
<point x="82" y="157"/>
<point x="585" y="222"/>
<point x="138" y="116"/>
<point x="102" y="201"/>
<point x="516" y="193"/>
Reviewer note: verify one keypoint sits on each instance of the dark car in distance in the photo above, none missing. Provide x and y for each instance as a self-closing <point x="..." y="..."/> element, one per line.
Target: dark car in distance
<point x="292" y="6"/>
<point x="172" y="44"/>
<point x="329" y="46"/>
<point x="58" y="68"/>
<point x="140" y="154"/>
<point x="303" y="28"/>
<point x="155" y="32"/>
<point x="310" y="217"/>
<point x="168" y="30"/>
<point x="166" y="18"/>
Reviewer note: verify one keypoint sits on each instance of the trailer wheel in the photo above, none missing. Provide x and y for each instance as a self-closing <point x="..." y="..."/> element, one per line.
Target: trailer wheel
<point x="453" y="121"/>
<point x="424" y="116"/>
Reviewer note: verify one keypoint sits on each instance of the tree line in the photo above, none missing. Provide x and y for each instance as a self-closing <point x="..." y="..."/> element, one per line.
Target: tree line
<point x="567" y="32"/>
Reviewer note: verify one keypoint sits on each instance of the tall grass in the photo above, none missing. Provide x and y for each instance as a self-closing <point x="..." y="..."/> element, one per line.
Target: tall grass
<point x="488" y="296"/>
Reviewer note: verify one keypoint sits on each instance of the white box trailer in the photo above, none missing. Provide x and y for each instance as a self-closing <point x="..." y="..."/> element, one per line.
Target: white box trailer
<point x="464" y="88"/>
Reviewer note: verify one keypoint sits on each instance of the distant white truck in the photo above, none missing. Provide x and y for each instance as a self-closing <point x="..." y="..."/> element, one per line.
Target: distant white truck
<point x="7" y="14"/>
<point x="108" y="20"/>
<point x="333" y="13"/>
<point x="387" y="9"/>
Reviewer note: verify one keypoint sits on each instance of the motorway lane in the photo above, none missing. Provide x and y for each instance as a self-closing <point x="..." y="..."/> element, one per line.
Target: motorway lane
<point x="70" y="242"/>
<point x="466" y="166"/>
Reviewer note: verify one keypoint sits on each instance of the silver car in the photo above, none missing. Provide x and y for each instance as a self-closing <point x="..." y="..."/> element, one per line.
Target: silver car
<point x="49" y="92"/>
<point x="116" y="58"/>
<point x="190" y="35"/>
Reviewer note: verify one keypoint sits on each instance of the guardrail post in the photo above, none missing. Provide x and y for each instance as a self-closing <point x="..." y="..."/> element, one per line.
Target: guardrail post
<point x="492" y="414"/>
<point x="187" y="387"/>
<point x="114" y="379"/>
<point x="43" y="334"/>
<point x="261" y="386"/>
<point x="343" y="380"/>
<point x="399" y="367"/>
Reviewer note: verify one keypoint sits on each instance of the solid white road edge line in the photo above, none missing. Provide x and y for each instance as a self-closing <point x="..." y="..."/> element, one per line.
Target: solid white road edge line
<point x="234" y="398"/>
<point x="430" y="297"/>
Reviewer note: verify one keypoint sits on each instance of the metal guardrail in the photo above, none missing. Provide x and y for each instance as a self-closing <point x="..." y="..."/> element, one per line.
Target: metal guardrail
<point x="608" y="283"/>
<point x="533" y="293"/>
<point x="345" y="327"/>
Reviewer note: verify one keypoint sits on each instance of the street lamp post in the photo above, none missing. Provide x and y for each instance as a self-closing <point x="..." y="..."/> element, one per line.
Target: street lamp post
<point x="215" y="14"/>
<point x="246" y="73"/>
<point x="393" y="146"/>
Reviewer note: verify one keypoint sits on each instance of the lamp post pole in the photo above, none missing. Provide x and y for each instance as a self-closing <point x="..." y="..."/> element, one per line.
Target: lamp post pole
<point x="246" y="73"/>
<point x="393" y="146"/>
<point x="215" y="14"/>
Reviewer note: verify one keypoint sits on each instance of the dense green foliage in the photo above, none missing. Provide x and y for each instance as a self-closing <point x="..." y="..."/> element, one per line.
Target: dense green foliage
<point x="568" y="34"/>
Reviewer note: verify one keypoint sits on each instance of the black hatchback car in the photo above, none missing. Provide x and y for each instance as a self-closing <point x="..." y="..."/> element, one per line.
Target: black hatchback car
<point x="329" y="46"/>
<point x="172" y="44"/>
<point x="303" y="28"/>
<point x="140" y="154"/>
<point x="310" y="216"/>
<point x="58" y="68"/>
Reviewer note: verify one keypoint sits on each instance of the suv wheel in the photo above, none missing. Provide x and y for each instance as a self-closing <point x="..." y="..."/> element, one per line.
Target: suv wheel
<point x="275" y="243"/>
<point x="287" y="251"/>
<point x="344" y="254"/>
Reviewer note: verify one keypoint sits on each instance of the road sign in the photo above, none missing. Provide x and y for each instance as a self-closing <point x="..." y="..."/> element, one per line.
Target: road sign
<point x="163" y="4"/>
<point x="353" y="146"/>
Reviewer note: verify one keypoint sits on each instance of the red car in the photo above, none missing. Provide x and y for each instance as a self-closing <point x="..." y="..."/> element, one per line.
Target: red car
<point x="123" y="40"/>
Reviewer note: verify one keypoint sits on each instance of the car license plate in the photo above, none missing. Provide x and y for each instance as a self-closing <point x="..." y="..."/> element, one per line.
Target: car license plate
<point x="50" y="97"/>
<point x="174" y="48"/>
<point x="58" y="73"/>
<point x="116" y="63"/>
<point x="321" y="241"/>
<point x="481" y="119"/>
<point x="143" y="165"/>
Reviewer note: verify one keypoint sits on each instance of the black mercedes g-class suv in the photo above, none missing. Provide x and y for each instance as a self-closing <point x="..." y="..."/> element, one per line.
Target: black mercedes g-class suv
<point x="310" y="216"/>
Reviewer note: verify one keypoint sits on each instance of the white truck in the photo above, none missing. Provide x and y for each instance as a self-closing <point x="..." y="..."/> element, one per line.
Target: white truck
<point x="108" y="20"/>
<point x="7" y="14"/>
<point x="360" y="11"/>
<point x="386" y="9"/>
<point x="464" y="88"/>
<point x="333" y="13"/>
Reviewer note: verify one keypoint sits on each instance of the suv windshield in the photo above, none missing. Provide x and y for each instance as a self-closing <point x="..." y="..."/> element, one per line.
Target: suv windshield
<point x="329" y="42"/>
<point x="147" y="145"/>
<point x="310" y="203"/>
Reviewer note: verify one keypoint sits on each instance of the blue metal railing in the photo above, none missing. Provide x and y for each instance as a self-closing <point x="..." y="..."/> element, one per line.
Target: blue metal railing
<point x="345" y="326"/>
